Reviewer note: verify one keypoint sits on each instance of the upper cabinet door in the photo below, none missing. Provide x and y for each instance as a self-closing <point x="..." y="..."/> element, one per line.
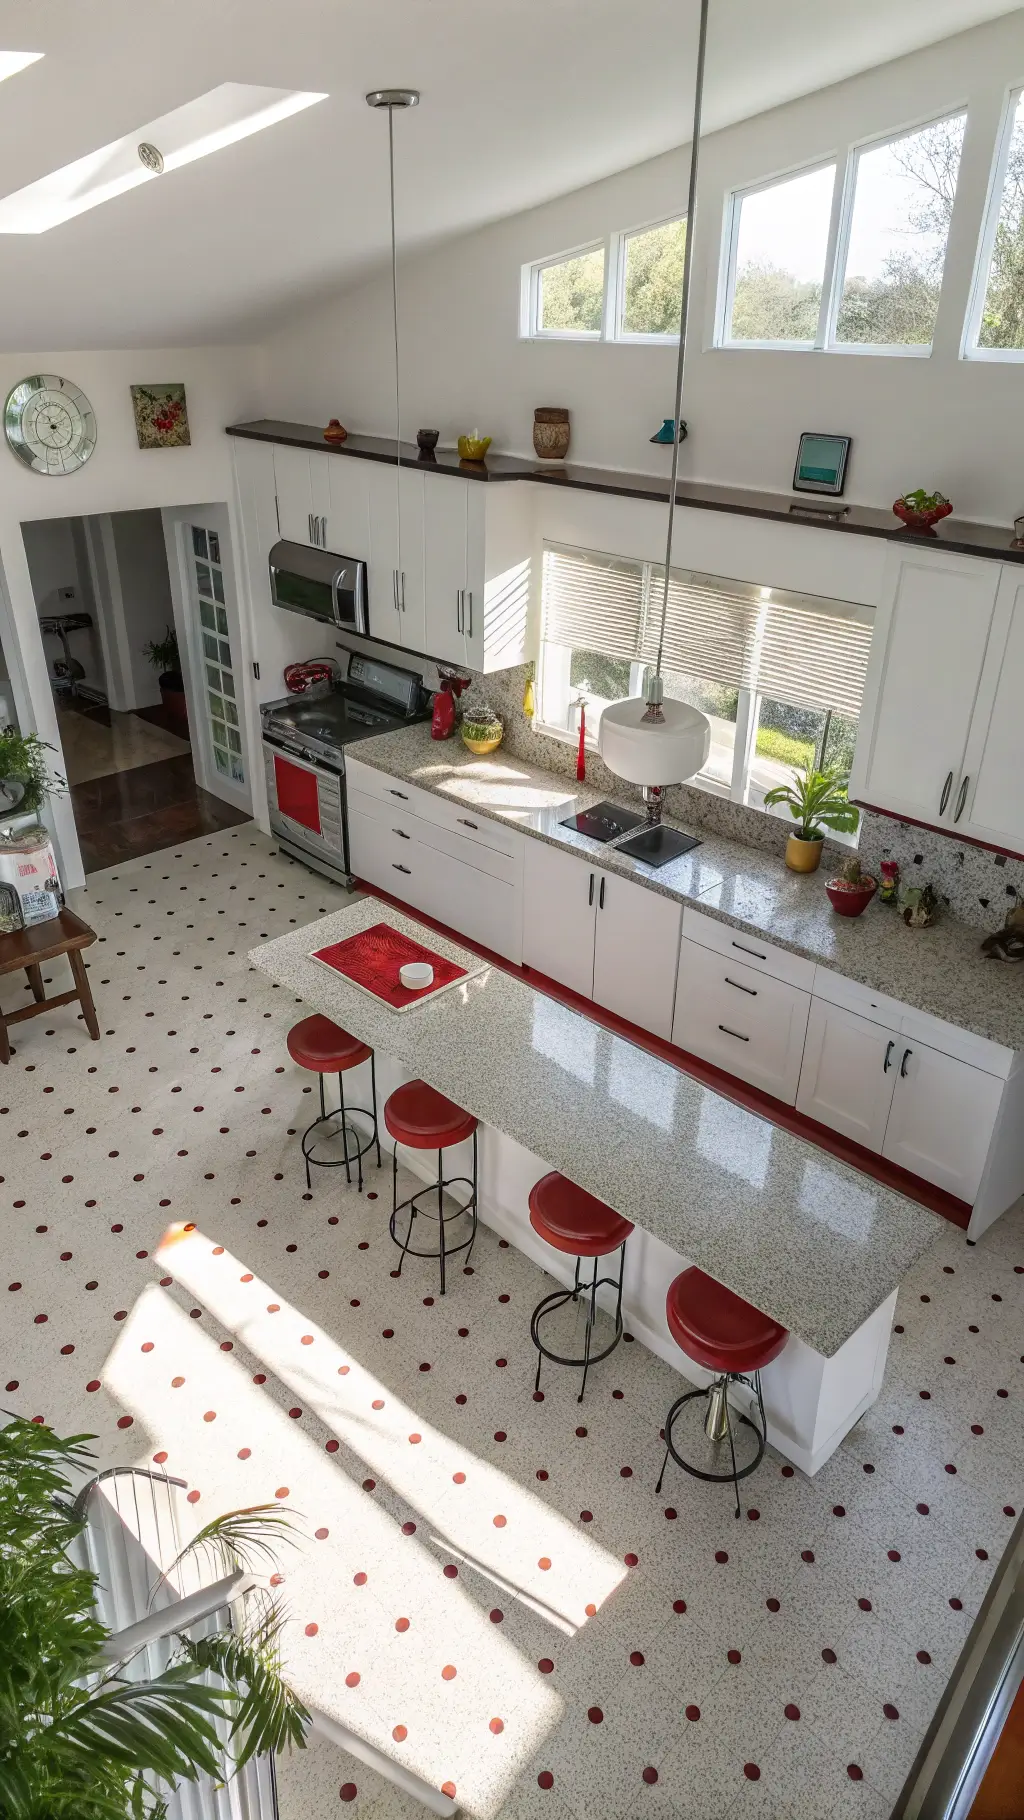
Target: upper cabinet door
<point x="992" y="806"/>
<point x="348" y="509"/>
<point x="294" y="493"/>
<point x="382" y="580"/>
<point x="446" y="504"/>
<point x="928" y="652"/>
<point x="411" y="575"/>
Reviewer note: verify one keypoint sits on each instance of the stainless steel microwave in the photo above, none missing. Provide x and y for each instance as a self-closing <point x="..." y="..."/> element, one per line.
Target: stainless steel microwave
<point x="326" y="587"/>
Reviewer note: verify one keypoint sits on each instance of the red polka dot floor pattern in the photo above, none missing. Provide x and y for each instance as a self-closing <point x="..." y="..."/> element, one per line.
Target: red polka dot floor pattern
<point x="484" y="1585"/>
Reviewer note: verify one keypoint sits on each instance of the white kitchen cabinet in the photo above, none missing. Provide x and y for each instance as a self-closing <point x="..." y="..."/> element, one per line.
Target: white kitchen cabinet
<point x="928" y="652"/>
<point x="303" y="483"/>
<point x="347" y="510"/>
<point x="636" y="952"/>
<point x="560" y="916"/>
<point x="993" y="797"/>
<point x="741" y="1019"/>
<point x="395" y="582"/>
<point x="449" y="597"/>
<point x="942" y="1119"/>
<point x="849" y="1071"/>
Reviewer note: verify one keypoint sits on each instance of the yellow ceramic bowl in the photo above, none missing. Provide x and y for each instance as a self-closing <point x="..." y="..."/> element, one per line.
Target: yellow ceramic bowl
<point x="482" y="746"/>
<point x="473" y="448"/>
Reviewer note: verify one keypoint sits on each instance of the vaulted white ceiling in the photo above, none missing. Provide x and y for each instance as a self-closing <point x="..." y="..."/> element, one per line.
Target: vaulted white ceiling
<point x="522" y="100"/>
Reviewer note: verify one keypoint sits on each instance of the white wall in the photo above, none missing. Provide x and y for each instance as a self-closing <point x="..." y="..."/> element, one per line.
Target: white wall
<point x="222" y="387"/>
<point x="145" y="594"/>
<point x="54" y="551"/>
<point x="938" y="422"/>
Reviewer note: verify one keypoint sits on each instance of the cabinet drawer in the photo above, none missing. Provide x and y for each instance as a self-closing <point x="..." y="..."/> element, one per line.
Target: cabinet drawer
<point x="852" y="996"/>
<point x="389" y="858"/>
<point x="469" y="823"/>
<point x="380" y="785"/>
<point x="963" y="1044"/>
<point x="434" y="838"/>
<point x="749" y="949"/>
<point x="742" y="1020"/>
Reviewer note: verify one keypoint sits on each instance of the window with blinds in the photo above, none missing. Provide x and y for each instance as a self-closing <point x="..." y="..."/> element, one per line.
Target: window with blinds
<point x="799" y="649"/>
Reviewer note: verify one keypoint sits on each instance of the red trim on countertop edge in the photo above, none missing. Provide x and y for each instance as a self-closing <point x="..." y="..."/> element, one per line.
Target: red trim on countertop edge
<point x="902" y="1181"/>
<point x="968" y="840"/>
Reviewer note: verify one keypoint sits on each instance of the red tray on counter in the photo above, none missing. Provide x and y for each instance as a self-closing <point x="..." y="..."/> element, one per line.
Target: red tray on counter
<point x="371" y="960"/>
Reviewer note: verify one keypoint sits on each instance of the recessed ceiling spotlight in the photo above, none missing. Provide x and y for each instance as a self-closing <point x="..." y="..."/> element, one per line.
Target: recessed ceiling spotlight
<point x="212" y="121"/>
<point x="11" y="62"/>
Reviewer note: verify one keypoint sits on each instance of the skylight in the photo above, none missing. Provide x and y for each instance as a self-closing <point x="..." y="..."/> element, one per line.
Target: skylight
<point x="12" y="62"/>
<point x="208" y="124"/>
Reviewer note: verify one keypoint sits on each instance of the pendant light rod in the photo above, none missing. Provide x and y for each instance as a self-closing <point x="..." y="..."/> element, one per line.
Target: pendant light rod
<point x="655" y="686"/>
<point x="391" y="98"/>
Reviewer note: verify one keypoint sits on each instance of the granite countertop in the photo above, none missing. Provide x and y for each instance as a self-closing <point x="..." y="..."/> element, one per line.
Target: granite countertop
<point x="939" y="970"/>
<point x="810" y="1241"/>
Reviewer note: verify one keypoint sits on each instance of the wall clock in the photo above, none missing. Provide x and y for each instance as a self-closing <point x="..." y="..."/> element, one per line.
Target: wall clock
<point x="49" y="424"/>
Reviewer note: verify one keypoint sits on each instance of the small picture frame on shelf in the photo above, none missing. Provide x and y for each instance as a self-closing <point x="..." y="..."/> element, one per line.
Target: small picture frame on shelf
<point x="821" y="463"/>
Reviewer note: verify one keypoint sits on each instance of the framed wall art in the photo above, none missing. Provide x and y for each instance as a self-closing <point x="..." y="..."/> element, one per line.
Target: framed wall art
<point x="161" y="416"/>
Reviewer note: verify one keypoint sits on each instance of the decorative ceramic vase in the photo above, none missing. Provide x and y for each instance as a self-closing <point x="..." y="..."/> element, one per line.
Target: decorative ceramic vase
<point x="335" y="432"/>
<point x="426" y="441"/>
<point x="804" y="855"/>
<point x="922" y="522"/>
<point x="850" y="897"/>
<point x="473" y="448"/>
<point x="551" y="432"/>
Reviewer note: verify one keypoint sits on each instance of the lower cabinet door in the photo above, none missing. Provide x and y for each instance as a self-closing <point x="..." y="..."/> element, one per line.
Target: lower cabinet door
<point x="942" y="1118"/>
<point x="636" y="953"/>
<point x="385" y="857"/>
<point x="559" y="911"/>
<point x="477" y="905"/>
<point x="849" y="1071"/>
<point x="744" y="1021"/>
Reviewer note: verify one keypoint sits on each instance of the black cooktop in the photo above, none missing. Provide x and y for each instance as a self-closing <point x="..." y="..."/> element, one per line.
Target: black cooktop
<point x="605" y="821"/>
<point x="335" y="719"/>
<point x="657" y="845"/>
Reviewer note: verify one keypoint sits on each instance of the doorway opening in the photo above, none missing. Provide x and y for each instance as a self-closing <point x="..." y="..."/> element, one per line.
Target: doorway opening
<point x="138" y="617"/>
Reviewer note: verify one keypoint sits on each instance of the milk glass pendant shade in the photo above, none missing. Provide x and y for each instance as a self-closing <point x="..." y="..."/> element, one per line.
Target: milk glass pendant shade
<point x="656" y="753"/>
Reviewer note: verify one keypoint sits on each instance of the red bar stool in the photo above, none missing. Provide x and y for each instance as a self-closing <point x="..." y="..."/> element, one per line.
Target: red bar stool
<point x="573" y="1221"/>
<point x="421" y="1118"/>
<point x="734" y="1340"/>
<point x="324" y="1048"/>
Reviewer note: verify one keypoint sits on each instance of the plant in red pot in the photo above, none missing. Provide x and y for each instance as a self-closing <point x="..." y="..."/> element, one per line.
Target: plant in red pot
<point x="852" y="891"/>
<point x="921" y="511"/>
<point x="162" y="653"/>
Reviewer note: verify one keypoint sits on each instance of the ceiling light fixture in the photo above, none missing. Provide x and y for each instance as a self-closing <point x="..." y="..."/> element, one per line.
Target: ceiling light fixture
<point x="646" y="739"/>
<point x="13" y="62"/>
<point x="233" y="111"/>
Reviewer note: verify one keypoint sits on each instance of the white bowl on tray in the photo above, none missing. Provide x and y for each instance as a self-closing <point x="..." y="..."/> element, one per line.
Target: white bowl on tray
<point x="416" y="976"/>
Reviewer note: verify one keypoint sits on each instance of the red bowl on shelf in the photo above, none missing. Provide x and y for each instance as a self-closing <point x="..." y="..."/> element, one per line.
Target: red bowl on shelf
<point x="850" y="900"/>
<point x="921" y="521"/>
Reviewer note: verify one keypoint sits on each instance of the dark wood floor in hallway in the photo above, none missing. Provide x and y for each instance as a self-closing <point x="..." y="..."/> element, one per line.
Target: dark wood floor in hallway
<point x="144" y="809"/>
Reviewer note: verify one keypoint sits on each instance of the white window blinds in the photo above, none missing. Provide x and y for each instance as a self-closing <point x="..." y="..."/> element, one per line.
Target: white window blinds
<point x="795" y="648"/>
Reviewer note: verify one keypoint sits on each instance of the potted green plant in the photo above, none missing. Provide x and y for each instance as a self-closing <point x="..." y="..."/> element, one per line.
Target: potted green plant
<point x="165" y="658"/>
<point x="82" y="1732"/>
<point x="23" y="763"/>
<point x="817" y="800"/>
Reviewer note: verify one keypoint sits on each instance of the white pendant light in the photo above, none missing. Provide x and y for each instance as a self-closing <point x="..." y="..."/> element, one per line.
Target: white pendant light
<point x="645" y="739"/>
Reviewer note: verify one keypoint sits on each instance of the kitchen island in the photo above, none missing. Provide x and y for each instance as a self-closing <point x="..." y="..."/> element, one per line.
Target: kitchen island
<point x="815" y="1244"/>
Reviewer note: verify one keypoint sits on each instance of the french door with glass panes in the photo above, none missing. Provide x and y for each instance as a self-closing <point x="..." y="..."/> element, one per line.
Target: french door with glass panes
<point x="221" y="696"/>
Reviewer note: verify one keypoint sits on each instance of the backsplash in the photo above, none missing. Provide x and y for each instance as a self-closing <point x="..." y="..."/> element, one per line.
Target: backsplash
<point x="976" y="886"/>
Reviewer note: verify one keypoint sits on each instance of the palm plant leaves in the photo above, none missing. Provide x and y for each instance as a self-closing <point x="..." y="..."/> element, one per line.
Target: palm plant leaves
<point x="164" y="1725"/>
<point x="816" y="799"/>
<point x="270" y="1716"/>
<point x="245" y="1538"/>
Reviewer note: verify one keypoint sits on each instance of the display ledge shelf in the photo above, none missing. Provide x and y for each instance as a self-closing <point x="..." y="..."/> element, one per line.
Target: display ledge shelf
<point x="864" y="521"/>
<point x="869" y="1162"/>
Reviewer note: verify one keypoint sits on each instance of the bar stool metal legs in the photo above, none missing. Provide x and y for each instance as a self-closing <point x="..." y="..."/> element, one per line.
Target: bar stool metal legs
<point x="558" y="1299"/>
<point x="441" y="1216"/>
<point x="718" y="1426"/>
<point x="354" y="1148"/>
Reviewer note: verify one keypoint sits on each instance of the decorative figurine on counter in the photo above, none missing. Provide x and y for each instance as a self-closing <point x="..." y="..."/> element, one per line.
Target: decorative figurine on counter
<point x="919" y="905"/>
<point x="426" y="442"/>
<point x="551" y="432"/>
<point x="667" y="430"/>
<point x="888" y="891"/>
<point x="473" y="448"/>
<point x="335" y="432"/>
<point x="1007" y="944"/>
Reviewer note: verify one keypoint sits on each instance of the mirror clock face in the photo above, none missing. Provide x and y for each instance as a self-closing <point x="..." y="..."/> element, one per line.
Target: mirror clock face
<point x="49" y="424"/>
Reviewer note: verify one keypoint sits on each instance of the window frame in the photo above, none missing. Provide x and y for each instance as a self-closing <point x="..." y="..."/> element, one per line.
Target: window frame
<point x="969" y="349"/>
<point x="613" y="297"/>
<point x="618" y="333"/>
<point x="845" y="162"/>
<point x="530" y="329"/>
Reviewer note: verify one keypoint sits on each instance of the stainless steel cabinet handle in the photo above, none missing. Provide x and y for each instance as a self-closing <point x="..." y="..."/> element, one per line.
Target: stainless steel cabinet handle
<point x="961" y="799"/>
<point x="600" y="900"/>
<point x="907" y="1053"/>
<point x="753" y="951"/>
<point x="944" y="798"/>
<point x="724" y="1028"/>
<point x="309" y="527"/>
<point x="400" y="794"/>
<point x="465" y="822"/>
<point x="751" y="991"/>
<point x="889" y="1047"/>
<point x="469" y="598"/>
<point x="401" y="834"/>
<point x="394" y="588"/>
<point x="395" y="867"/>
<point x="402" y="590"/>
<point x="460" y="610"/>
<point x="590" y="898"/>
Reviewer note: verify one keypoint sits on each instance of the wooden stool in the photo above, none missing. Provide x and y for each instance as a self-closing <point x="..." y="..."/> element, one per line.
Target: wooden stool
<point x="31" y="949"/>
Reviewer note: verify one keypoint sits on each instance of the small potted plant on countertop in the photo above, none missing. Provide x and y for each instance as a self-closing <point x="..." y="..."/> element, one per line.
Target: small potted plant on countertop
<point x="482" y="729"/>
<point x="817" y="800"/>
<point x="163" y="654"/>
<point x="921" y="510"/>
<point x="852" y="891"/>
<point x="25" y="769"/>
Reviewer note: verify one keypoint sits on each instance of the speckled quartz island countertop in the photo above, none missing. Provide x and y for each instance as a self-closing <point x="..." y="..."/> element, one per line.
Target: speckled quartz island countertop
<point x="807" y="1239"/>
<point x="939" y="970"/>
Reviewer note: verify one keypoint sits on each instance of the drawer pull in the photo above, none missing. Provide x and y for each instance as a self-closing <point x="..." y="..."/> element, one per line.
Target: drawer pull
<point x="590" y="898"/>
<point x="395" y="867"/>
<point x="751" y="991"/>
<point x="400" y="794"/>
<point x="724" y="1028"/>
<point x="907" y="1053"/>
<point x="889" y="1047"/>
<point x="600" y="895"/>
<point x="753" y="951"/>
<point x="961" y="799"/>
<point x="465" y="822"/>
<point x="401" y="834"/>
<point x="944" y="798"/>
